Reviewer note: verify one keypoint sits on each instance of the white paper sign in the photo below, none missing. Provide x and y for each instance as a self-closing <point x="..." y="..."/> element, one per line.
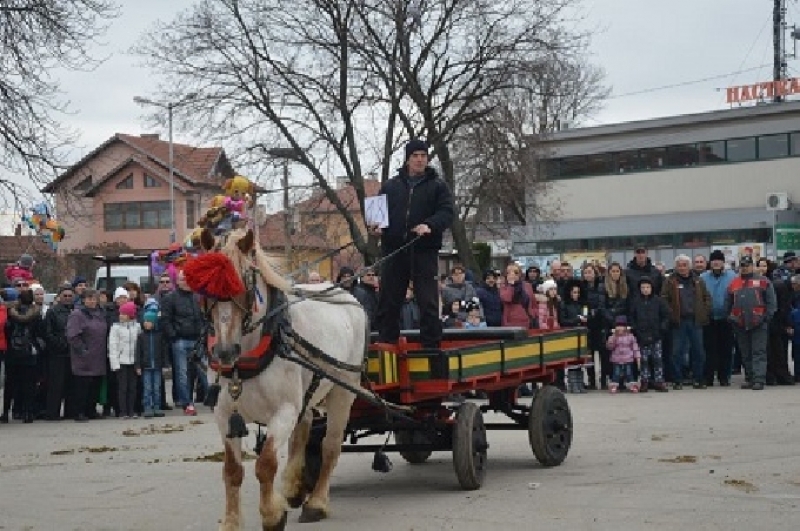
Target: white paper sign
<point x="376" y="211"/>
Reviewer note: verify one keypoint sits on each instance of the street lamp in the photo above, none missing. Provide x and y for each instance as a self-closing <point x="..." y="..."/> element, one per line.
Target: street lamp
<point x="286" y="154"/>
<point x="169" y="106"/>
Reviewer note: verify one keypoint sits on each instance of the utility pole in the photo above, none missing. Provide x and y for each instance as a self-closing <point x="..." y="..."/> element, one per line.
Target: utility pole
<point x="287" y="217"/>
<point x="778" y="44"/>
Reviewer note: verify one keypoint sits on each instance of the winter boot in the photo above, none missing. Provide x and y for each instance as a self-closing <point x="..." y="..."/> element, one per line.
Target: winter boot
<point x="643" y="387"/>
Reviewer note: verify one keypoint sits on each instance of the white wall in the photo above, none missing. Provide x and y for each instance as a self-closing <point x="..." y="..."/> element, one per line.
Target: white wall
<point x="726" y="186"/>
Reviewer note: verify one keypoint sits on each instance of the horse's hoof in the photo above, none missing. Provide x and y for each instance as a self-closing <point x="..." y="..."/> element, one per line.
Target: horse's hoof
<point x="280" y="526"/>
<point x="296" y="501"/>
<point x="312" y="514"/>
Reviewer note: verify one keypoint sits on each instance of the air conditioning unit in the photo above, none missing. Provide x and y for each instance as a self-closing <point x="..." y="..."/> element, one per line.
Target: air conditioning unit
<point x="778" y="201"/>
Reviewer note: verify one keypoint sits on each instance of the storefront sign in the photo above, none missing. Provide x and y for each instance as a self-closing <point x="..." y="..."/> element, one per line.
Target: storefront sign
<point x="787" y="238"/>
<point x="765" y="90"/>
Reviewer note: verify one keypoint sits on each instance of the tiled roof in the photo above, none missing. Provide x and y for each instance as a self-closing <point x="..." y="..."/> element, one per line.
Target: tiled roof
<point x="152" y="169"/>
<point x="272" y="235"/>
<point x="319" y="203"/>
<point x="196" y="164"/>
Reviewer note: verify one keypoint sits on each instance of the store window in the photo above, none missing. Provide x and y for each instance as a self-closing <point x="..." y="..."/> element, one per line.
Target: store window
<point x="795" y="144"/>
<point x="573" y="167"/>
<point x="626" y="161"/>
<point x="600" y="164"/>
<point x="653" y="158"/>
<point x="773" y="146"/>
<point x="712" y="152"/>
<point x="741" y="149"/>
<point x="682" y="156"/>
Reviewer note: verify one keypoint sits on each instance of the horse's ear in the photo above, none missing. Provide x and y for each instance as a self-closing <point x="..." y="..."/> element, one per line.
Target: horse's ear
<point x="246" y="244"/>
<point x="207" y="240"/>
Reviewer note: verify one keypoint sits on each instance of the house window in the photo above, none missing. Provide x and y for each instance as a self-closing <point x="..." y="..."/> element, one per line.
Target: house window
<point x="126" y="183"/>
<point x="151" y="182"/>
<point x="137" y="215"/>
<point x="191" y="214"/>
<point x="84" y="185"/>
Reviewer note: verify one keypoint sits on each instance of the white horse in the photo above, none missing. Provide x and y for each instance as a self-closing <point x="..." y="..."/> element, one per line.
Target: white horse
<point x="338" y="326"/>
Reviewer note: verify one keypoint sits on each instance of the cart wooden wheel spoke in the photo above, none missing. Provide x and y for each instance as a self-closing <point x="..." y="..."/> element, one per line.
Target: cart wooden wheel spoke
<point x="414" y="457"/>
<point x="469" y="446"/>
<point x="550" y="426"/>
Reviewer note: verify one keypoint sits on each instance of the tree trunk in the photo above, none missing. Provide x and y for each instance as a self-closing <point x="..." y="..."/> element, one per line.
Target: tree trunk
<point x="460" y="241"/>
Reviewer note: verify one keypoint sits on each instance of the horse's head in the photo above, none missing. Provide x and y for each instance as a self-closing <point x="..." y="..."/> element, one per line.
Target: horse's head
<point x="233" y="274"/>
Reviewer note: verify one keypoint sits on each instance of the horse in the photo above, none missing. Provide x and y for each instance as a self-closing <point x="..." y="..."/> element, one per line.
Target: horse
<point x="283" y="396"/>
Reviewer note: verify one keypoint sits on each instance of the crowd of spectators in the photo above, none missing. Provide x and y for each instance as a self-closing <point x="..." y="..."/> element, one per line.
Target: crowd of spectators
<point x="93" y="354"/>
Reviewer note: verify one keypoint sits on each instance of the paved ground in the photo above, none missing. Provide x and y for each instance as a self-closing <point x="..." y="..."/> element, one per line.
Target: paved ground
<point x="713" y="459"/>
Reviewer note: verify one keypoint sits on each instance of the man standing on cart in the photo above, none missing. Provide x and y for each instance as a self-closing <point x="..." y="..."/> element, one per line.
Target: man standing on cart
<point x="420" y="205"/>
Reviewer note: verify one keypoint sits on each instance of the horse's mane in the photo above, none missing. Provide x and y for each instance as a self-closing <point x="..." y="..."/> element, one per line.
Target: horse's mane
<point x="262" y="261"/>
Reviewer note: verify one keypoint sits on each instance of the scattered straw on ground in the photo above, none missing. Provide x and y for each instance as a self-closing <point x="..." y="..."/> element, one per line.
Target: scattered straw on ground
<point x="680" y="459"/>
<point x="86" y="449"/>
<point x="741" y="484"/>
<point x="657" y="437"/>
<point x="196" y="422"/>
<point x="152" y="429"/>
<point x="216" y="457"/>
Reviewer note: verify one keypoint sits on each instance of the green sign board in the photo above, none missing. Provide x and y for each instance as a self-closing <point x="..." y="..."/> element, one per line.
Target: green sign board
<point x="787" y="238"/>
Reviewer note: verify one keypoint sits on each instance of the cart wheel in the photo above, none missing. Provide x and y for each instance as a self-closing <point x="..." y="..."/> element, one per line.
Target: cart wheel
<point x="550" y="426"/>
<point x="469" y="446"/>
<point x="415" y="457"/>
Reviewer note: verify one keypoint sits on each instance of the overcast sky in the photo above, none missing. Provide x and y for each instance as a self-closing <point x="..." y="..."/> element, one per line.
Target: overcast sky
<point x="641" y="44"/>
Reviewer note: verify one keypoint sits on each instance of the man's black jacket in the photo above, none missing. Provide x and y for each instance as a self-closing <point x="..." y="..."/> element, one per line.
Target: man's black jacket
<point x="429" y="201"/>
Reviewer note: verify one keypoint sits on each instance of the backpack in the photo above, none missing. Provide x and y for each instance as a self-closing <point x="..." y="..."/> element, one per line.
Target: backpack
<point x="20" y="343"/>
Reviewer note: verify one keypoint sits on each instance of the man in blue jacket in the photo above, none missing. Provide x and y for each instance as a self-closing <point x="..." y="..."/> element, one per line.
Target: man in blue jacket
<point x="420" y="204"/>
<point x="718" y="333"/>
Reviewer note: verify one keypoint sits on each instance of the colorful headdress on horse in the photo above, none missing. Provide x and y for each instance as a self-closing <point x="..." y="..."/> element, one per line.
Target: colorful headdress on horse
<point x="213" y="275"/>
<point x="227" y="211"/>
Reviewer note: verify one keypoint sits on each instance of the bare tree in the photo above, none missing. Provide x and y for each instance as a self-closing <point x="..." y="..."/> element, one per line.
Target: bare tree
<point x="37" y="37"/>
<point x="352" y="79"/>
<point x="499" y="156"/>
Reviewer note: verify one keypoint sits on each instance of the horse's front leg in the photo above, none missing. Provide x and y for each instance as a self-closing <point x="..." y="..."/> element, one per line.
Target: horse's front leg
<point x="339" y="402"/>
<point x="293" y="484"/>
<point x="272" y="505"/>
<point x="232" y="475"/>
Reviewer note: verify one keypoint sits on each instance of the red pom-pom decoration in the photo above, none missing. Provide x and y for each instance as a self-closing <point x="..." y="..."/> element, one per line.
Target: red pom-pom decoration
<point x="213" y="275"/>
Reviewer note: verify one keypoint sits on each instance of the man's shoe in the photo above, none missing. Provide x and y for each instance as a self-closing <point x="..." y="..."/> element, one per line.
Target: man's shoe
<point x="677" y="386"/>
<point x="643" y="387"/>
<point x="661" y="387"/>
<point x="166" y="407"/>
<point x="758" y="386"/>
<point x="4" y="419"/>
<point x="785" y="381"/>
<point x="699" y="385"/>
<point x="148" y="414"/>
<point x="748" y="385"/>
<point x="81" y="418"/>
<point x="158" y="413"/>
<point x="724" y="383"/>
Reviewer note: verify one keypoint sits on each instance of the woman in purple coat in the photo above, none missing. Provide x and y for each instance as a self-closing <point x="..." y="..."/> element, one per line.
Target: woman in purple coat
<point x="87" y="336"/>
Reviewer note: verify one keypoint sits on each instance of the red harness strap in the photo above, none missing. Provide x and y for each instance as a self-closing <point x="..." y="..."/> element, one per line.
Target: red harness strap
<point x="252" y="360"/>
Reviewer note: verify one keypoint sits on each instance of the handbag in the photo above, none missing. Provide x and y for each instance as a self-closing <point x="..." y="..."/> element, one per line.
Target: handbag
<point x="533" y="322"/>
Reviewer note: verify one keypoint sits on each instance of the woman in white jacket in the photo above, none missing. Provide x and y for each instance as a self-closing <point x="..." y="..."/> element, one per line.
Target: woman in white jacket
<point x="121" y="356"/>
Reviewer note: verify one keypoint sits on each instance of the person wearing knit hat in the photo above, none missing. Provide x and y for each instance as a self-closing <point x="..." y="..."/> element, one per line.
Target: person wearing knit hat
<point x="122" y="357"/>
<point x="119" y="293"/>
<point x="420" y="209"/>
<point x="718" y="333"/>
<point x="149" y="360"/>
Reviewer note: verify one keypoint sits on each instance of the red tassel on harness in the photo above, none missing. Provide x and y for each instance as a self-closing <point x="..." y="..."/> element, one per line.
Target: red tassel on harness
<point x="213" y="275"/>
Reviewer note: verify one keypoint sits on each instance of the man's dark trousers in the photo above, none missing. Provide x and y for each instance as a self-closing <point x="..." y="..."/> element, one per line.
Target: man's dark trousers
<point x="421" y="266"/>
<point x="718" y="342"/>
<point x="753" y="345"/>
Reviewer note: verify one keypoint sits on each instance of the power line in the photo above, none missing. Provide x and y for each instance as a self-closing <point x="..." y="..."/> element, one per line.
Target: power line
<point x="750" y="50"/>
<point x="684" y="83"/>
